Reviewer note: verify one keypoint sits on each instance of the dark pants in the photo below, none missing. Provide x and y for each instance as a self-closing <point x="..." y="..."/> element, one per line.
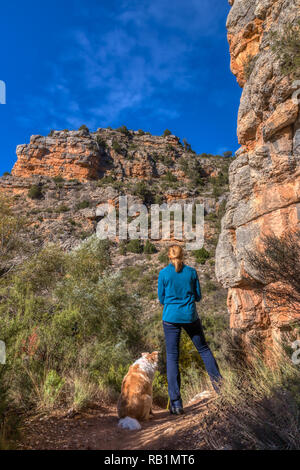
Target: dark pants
<point x="172" y="337"/>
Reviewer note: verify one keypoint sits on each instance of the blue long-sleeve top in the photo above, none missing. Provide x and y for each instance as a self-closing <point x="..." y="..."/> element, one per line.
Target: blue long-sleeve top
<point x="178" y="292"/>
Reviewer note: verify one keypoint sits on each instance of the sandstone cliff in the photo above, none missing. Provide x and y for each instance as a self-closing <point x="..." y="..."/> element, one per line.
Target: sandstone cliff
<point x="265" y="177"/>
<point x="86" y="156"/>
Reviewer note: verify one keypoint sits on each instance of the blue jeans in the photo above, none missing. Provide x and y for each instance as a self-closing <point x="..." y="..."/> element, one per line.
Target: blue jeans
<point x="172" y="336"/>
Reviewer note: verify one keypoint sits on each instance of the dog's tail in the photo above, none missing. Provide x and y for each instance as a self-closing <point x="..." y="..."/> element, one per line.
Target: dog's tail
<point x="129" y="423"/>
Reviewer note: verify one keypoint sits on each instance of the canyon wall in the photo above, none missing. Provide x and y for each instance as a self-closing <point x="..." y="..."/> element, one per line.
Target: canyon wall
<point x="265" y="176"/>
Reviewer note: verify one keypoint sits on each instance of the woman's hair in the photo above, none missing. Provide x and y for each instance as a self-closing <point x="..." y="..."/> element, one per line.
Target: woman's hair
<point x="176" y="257"/>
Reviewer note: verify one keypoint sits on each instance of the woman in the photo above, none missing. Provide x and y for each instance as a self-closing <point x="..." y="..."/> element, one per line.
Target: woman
<point x="178" y="290"/>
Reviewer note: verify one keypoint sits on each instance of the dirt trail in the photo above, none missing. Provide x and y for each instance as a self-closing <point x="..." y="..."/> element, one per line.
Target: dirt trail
<point x="97" y="429"/>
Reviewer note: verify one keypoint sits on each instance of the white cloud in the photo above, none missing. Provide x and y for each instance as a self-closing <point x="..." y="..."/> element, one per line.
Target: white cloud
<point x="143" y="53"/>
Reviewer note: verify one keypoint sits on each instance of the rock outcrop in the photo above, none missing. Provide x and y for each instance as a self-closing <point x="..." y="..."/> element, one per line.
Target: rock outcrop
<point x="265" y="176"/>
<point x="86" y="156"/>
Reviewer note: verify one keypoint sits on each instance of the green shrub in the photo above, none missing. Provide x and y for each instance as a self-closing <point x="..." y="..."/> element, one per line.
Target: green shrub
<point x="35" y="192"/>
<point x="141" y="190"/>
<point x="163" y="256"/>
<point x="58" y="179"/>
<point x="141" y="132"/>
<point x="109" y="179"/>
<point x="117" y="147"/>
<point x="149" y="248"/>
<point x="101" y="142"/>
<point x="6" y="173"/>
<point x="135" y="246"/>
<point x="83" y="205"/>
<point x="84" y="128"/>
<point x="123" y="248"/>
<point x="201" y="255"/>
<point x="65" y="323"/>
<point x="62" y="208"/>
<point x="123" y="130"/>
<point x="166" y="133"/>
<point x="170" y="177"/>
<point x="52" y="387"/>
<point x="286" y="46"/>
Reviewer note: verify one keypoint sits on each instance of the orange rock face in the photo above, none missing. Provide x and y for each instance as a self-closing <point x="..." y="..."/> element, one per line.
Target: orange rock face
<point x="265" y="177"/>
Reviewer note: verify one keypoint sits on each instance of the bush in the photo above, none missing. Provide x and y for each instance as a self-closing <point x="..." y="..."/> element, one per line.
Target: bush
<point x="170" y="177"/>
<point x="166" y="133"/>
<point x="62" y="208"/>
<point x="141" y="190"/>
<point x="149" y="248"/>
<point x="286" y="47"/>
<point x="141" y="132"/>
<point x="83" y="205"/>
<point x="201" y="255"/>
<point x="58" y="179"/>
<point x="117" y="147"/>
<point x="123" y="130"/>
<point x="163" y="256"/>
<point x="135" y="246"/>
<point x="66" y="322"/>
<point x="101" y="142"/>
<point x="6" y="173"/>
<point x="35" y="192"/>
<point x="84" y="128"/>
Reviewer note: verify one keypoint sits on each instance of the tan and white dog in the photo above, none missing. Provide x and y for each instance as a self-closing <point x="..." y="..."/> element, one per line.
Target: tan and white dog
<point x="135" y="402"/>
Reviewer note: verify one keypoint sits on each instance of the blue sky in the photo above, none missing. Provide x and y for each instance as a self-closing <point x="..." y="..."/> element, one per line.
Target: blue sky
<point x="149" y="65"/>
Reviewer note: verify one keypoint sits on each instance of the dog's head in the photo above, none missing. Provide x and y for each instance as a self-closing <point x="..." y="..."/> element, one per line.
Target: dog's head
<point x="151" y="357"/>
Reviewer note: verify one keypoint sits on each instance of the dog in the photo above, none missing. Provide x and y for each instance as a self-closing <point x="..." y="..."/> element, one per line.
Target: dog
<point x="135" y="401"/>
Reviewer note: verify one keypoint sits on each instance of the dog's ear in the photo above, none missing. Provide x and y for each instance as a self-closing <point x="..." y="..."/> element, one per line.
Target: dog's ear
<point x="155" y="354"/>
<point x="144" y="354"/>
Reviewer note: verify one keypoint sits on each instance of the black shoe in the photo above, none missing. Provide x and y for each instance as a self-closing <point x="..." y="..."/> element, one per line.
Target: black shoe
<point x="176" y="410"/>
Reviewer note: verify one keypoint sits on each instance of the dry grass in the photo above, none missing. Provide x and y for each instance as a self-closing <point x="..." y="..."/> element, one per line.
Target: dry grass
<point x="258" y="407"/>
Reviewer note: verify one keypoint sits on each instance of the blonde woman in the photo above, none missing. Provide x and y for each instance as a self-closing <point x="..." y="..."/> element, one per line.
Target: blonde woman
<point x="178" y="290"/>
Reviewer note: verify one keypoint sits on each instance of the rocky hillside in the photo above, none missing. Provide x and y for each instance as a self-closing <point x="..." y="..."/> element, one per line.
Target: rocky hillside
<point x="264" y="38"/>
<point x="59" y="181"/>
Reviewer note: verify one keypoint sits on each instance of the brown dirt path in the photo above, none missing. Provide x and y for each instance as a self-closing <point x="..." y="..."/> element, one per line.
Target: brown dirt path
<point x="97" y="429"/>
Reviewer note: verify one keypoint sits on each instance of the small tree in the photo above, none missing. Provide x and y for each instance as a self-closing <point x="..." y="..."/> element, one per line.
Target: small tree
<point x="187" y="146"/>
<point x="166" y="133"/>
<point x="84" y="128"/>
<point x="123" y="130"/>
<point x="35" y="192"/>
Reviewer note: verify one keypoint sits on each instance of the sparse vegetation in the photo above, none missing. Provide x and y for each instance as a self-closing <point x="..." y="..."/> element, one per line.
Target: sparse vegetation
<point x="35" y="192"/>
<point x="249" y="66"/>
<point x="117" y="147"/>
<point x="83" y="205"/>
<point x="167" y="133"/>
<point x="84" y="128"/>
<point x="135" y="246"/>
<point x="286" y="46"/>
<point x="201" y="255"/>
<point x="58" y="179"/>
<point x="123" y="130"/>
